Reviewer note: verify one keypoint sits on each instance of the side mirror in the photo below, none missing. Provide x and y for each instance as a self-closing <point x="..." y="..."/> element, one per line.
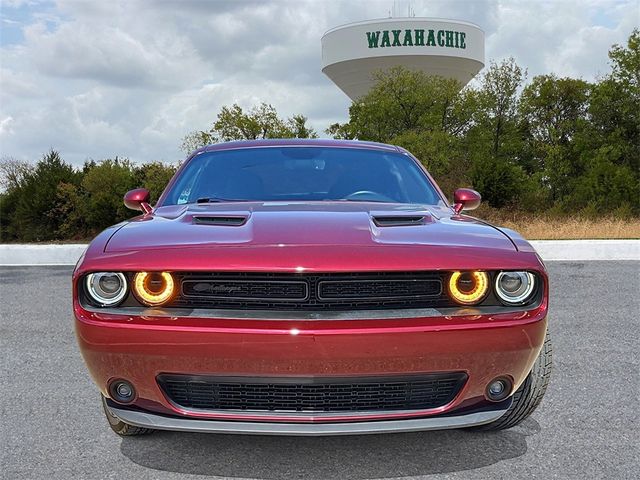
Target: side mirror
<point x="465" y="199"/>
<point x="138" y="199"/>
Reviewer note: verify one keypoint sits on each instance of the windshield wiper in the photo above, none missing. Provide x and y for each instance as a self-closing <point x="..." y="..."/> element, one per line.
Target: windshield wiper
<point x="217" y="200"/>
<point x="363" y="201"/>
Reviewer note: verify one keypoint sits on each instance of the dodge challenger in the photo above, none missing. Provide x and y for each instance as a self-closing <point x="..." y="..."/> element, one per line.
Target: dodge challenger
<point x="311" y="287"/>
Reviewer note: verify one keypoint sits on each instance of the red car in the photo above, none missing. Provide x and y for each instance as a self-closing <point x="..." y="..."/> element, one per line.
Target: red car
<point x="311" y="287"/>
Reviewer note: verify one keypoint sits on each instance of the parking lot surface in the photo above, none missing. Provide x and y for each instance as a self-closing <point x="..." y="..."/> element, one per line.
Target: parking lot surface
<point x="52" y="426"/>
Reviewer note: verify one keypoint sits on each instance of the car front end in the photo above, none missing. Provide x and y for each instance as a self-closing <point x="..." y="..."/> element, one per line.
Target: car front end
<point x="309" y="318"/>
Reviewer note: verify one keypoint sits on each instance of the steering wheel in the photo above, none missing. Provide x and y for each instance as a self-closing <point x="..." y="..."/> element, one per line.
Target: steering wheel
<point x="368" y="195"/>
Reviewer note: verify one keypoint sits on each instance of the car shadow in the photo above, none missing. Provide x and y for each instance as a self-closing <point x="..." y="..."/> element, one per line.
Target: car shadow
<point x="354" y="457"/>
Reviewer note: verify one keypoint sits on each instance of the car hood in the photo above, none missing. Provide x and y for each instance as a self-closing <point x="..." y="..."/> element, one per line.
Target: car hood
<point x="302" y="224"/>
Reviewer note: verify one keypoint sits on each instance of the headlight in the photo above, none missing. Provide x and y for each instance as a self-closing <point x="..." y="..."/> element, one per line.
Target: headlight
<point x="468" y="288"/>
<point x="153" y="288"/>
<point x="514" y="288"/>
<point x="106" y="288"/>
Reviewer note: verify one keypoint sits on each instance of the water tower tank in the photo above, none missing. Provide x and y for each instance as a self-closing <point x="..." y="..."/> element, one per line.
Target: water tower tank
<point x="352" y="53"/>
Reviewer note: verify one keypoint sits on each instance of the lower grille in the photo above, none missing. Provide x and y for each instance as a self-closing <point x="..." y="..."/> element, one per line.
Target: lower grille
<point x="415" y="392"/>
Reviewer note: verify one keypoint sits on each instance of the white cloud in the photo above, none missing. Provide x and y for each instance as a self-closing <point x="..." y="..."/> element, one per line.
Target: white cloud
<point x="131" y="77"/>
<point x="17" y="85"/>
<point x="5" y="126"/>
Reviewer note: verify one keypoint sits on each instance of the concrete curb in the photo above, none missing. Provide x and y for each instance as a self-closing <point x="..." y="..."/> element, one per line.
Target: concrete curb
<point x="586" y="250"/>
<point x="24" y="254"/>
<point x="549" y="250"/>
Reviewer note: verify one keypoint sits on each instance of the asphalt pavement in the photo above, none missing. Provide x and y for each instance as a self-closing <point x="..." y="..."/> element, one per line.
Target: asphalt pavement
<point x="52" y="426"/>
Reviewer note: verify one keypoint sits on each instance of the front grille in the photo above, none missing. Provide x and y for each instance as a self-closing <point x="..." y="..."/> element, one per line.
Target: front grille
<point x="325" y="394"/>
<point x="378" y="289"/>
<point x="348" y="291"/>
<point x="245" y="289"/>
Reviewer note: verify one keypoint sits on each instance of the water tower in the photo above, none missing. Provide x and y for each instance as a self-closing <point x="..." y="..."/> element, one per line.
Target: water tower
<point x="352" y="53"/>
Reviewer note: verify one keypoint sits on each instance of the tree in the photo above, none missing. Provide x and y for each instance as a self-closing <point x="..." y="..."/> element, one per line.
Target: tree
<point x="340" y="131"/>
<point x="427" y="115"/>
<point x="553" y="114"/>
<point x="404" y="101"/>
<point x="615" y="103"/>
<point x="196" y="139"/>
<point x="625" y="63"/>
<point x="69" y="207"/>
<point x="154" y="177"/>
<point x="500" y="182"/>
<point x="13" y="173"/>
<point x="498" y="106"/>
<point x="262" y="121"/>
<point x="494" y="142"/>
<point x="297" y="127"/>
<point x="605" y="186"/>
<point x="104" y="185"/>
<point x="35" y="218"/>
<point x="611" y="140"/>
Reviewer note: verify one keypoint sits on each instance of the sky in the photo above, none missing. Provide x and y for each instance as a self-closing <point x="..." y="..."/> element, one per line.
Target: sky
<point x="129" y="78"/>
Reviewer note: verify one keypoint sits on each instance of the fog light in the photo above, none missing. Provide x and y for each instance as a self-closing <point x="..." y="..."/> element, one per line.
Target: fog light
<point x="498" y="389"/>
<point x="495" y="389"/>
<point x="122" y="391"/>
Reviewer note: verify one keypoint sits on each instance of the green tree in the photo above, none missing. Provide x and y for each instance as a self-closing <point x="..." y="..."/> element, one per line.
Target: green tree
<point x="625" y="63"/>
<point x="296" y="127"/>
<point x="154" y="176"/>
<point x="497" y="113"/>
<point x="35" y="218"/>
<point x="553" y="114"/>
<point x="341" y="131"/>
<point x="615" y="103"/>
<point x="500" y="182"/>
<point x="494" y="142"/>
<point x="605" y="187"/>
<point x="13" y="175"/>
<point x="69" y="207"/>
<point x="427" y="115"/>
<point x="196" y="139"/>
<point x="262" y="121"/>
<point x="404" y="101"/>
<point x="610" y="144"/>
<point x="104" y="185"/>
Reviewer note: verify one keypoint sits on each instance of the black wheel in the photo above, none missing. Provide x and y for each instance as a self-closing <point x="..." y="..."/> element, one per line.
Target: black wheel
<point x="530" y="393"/>
<point x="121" y="428"/>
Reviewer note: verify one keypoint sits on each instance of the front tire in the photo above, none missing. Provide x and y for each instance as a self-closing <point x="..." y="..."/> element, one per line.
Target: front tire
<point x="530" y="393"/>
<point x="121" y="428"/>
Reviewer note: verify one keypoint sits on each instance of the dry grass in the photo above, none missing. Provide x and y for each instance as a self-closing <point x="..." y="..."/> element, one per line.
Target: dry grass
<point x="558" y="228"/>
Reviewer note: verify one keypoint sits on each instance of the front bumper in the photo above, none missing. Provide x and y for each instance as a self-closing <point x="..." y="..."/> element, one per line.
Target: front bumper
<point x="139" y="348"/>
<point x="441" y="422"/>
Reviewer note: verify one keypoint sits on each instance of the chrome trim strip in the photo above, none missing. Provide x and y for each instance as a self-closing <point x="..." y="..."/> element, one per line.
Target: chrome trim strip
<point x="160" y="422"/>
<point x="289" y="414"/>
<point x="224" y="314"/>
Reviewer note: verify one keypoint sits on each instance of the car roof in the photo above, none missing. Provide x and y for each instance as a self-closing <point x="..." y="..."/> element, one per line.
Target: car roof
<point x="287" y="142"/>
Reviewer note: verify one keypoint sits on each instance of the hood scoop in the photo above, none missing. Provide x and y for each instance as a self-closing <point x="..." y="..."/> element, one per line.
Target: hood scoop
<point x="399" y="220"/>
<point x="220" y="220"/>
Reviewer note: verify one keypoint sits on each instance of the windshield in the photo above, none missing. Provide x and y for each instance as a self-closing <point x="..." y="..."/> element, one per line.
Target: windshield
<point x="302" y="174"/>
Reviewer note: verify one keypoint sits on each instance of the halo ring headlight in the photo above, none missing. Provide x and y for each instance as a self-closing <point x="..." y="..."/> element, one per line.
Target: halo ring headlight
<point x="106" y="288"/>
<point x="153" y="288"/>
<point x="514" y="288"/>
<point x="468" y="288"/>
